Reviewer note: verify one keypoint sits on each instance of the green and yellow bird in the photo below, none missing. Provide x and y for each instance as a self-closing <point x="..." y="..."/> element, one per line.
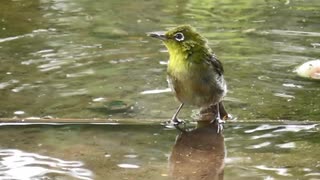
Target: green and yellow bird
<point x="195" y="75"/>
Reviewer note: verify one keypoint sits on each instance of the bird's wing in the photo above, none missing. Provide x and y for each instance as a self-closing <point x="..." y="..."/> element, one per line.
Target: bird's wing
<point x="217" y="65"/>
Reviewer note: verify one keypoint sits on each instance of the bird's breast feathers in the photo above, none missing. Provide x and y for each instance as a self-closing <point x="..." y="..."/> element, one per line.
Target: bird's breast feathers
<point x="194" y="83"/>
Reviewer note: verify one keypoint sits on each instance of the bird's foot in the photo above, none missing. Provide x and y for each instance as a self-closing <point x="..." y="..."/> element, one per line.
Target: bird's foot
<point x="220" y="123"/>
<point x="177" y="122"/>
<point x="227" y="117"/>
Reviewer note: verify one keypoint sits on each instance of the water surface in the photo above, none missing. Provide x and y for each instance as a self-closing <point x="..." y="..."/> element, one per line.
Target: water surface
<point x="133" y="151"/>
<point x="76" y="59"/>
<point x="85" y="59"/>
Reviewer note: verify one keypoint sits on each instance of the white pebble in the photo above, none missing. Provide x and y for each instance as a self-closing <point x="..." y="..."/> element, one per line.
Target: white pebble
<point x="310" y="69"/>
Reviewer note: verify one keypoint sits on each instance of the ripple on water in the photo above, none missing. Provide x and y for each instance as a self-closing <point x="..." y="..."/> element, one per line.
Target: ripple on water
<point x="292" y="33"/>
<point x="282" y="128"/>
<point x="261" y="128"/>
<point x="258" y="146"/>
<point x="73" y="92"/>
<point x="268" y="135"/>
<point x="16" y="164"/>
<point x="3" y="85"/>
<point x="34" y="32"/>
<point x="279" y="171"/>
<point x="81" y="74"/>
<point x="284" y="95"/>
<point x="287" y="145"/>
<point x="295" y="128"/>
<point x="128" y="166"/>
<point x="156" y="91"/>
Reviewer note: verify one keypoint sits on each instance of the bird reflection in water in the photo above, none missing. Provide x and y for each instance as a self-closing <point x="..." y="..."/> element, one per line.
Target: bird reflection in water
<point x="198" y="154"/>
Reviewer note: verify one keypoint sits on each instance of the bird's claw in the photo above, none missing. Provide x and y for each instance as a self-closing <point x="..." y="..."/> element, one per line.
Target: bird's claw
<point x="177" y="122"/>
<point x="219" y="123"/>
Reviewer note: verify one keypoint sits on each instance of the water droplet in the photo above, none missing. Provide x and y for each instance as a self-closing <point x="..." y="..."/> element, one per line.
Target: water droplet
<point x="257" y="146"/>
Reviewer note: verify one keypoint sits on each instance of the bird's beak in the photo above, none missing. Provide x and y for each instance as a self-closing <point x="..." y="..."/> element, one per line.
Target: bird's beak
<point x="158" y="35"/>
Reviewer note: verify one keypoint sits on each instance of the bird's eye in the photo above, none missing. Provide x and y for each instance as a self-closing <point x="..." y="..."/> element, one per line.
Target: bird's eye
<point x="179" y="36"/>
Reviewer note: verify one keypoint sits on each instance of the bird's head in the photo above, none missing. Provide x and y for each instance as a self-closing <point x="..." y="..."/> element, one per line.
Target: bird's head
<point x="182" y="39"/>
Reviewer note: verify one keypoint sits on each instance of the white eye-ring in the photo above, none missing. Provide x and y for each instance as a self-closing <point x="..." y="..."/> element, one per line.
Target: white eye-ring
<point x="179" y="36"/>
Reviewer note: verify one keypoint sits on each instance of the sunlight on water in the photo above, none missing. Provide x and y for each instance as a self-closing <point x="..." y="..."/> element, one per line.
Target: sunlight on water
<point x="293" y="33"/>
<point x="156" y="91"/>
<point x="282" y="128"/>
<point x="129" y="166"/>
<point x="261" y="145"/>
<point x="280" y="171"/>
<point x="31" y="35"/>
<point x="268" y="135"/>
<point x="16" y="164"/>
<point x="287" y="145"/>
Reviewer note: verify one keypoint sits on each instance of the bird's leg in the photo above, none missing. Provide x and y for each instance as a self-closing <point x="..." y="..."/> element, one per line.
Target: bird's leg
<point x="218" y="120"/>
<point x="223" y="113"/>
<point x="176" y="122"/>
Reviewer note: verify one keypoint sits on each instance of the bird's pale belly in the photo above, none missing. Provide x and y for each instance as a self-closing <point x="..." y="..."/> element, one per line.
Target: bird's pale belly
<point x="197" y="90"/>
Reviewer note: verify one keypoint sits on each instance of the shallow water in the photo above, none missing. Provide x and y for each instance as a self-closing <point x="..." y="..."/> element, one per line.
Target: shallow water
<point x="93" y="59"/>
<point x="133" y="151"/>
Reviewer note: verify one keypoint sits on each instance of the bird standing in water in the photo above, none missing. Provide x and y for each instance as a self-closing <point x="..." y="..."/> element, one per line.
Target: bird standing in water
<point x="195" y="75"/>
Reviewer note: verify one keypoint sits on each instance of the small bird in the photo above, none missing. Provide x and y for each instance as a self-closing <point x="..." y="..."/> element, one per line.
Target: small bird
<point x="194" y="73"/>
